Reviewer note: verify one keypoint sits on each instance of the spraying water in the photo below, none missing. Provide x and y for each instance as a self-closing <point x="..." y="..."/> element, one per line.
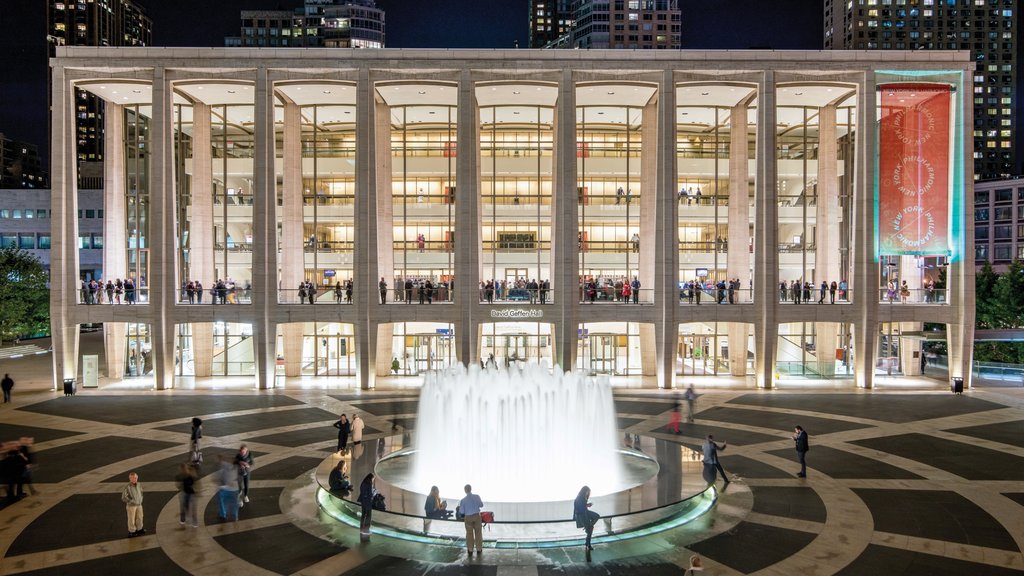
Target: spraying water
<point x="518" y="435"/>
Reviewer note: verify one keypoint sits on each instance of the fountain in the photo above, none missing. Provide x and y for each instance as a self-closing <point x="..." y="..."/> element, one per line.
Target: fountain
<point x="518" y="435"/>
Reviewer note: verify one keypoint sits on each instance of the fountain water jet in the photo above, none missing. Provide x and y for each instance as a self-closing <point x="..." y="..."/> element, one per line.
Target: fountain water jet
<point x="518" y="435"/>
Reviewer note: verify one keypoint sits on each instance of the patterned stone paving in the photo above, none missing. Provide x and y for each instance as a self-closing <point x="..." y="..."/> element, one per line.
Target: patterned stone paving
<point x="898" y="483"/>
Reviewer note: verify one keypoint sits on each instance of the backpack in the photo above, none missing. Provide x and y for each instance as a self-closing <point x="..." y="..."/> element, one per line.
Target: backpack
<point x="378" y="503"/>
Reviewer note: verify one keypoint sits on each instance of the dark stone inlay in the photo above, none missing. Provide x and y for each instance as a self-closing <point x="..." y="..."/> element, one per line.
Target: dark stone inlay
<point x="896" y="408"/>
<point x="626" y="567"/>
<point x="847" y="465"/>
<point x="750" y="468"/>
<point x="624" y="423"/>
<point x="232" y="425"/>
<point x="935" y="514"/>
<point x="750" y="547"/>
<point x="372" y="396"/>
<point x="284" y="549"/>
<point x="799" y="502"/>
<point x="647" y="408"/>
<point x="62" y="462"/>
<point x="965" y="460"/>
<point x="389" y="408"/>
<point x="83" y="519"/>
<point x="12" y="432"/>
<point x="165" y="470"/>
<point x="132" y="410"/>
<point x="150" y="561"/>
<point x="780" y="421"/>
<point x="697" y="432"/>
<point x="875" y="560"/>
<point x="391" y="566"/>
<point x="296" y="438"/>
<point x="262" y="502"/>
<point x="1011" y="433"/>
<point x="1017" y="497"/>
<point x="285" y="469"/>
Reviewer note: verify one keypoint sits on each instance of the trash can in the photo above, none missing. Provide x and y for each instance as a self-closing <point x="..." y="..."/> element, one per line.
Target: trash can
<point x="69" y="386"/>
<point x="957" y="385"/>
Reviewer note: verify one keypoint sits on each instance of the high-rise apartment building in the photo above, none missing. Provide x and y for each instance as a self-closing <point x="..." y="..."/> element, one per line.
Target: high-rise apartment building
<point x="20" y="166"/>
<point x="318" y="23"/>
<point x="632" y="24"/>
<point x="549" y="20"/>
<point x="94" y="23"/>
<point x="985" y="27"/>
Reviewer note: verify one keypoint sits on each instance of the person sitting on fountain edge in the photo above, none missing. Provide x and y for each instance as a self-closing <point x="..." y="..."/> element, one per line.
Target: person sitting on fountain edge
<point x="338" y="480"/>
<point x="584" y="517"/>
<point x="434" y="507"/>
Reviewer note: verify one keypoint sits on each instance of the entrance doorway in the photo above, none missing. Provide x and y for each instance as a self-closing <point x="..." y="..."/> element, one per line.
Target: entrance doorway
<point x="335" y="356"/>
<point x="604" y="353"/>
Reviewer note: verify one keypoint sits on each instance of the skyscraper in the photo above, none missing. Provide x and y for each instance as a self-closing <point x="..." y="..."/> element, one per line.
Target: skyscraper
<point x="985" y="27"/>
<point x="318" y="23"/>
<point x="94" y="23"/>
<point x="20" y="166"/>
<point x="632" y="24"/>
<point x="549" y="20"/>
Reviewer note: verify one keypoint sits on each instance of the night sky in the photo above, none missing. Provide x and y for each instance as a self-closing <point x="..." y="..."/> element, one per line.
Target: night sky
<point x="716" y="24"/>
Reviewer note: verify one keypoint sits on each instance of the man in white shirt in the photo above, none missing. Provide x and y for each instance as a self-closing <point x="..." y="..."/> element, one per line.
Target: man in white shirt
<point x="470" y="508"/>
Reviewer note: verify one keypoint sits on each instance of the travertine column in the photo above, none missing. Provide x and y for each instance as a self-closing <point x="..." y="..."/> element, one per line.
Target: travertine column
<point x="826" y="238"/>
<point x="264" y="215"/>
<point x="292" y="235"/>
<point x="63" y="229"/>
<point x="385" y="348"/>
<point x="865" y="297"/>
<point x="200" y="238"/>
<point x="565" y="224"/>
<point x="651" y="230"/>
<point x="162" y="230"/>
<point x="665" y="249"/>
<point x="467" y="223"/>
<point x="909" y="364"/>
<point x="114" y="229"/>
<point x="766" y="244"/>
<point x="366" y="231"/>
<point x="738" y="262"/>
<point x="961" y="272"/>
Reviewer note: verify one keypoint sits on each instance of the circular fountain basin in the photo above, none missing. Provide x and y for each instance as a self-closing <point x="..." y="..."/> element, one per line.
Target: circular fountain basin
<point x="662" y="487"/>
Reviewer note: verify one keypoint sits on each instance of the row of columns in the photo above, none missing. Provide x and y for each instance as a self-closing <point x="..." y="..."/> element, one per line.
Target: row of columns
<point x="373" y="219"/>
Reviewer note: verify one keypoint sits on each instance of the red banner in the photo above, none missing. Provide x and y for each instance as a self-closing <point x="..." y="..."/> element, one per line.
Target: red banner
<point x="914" y="169"/>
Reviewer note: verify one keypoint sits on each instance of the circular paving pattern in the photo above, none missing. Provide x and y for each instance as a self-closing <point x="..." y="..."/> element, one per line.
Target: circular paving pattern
<point x="898" y="483"/>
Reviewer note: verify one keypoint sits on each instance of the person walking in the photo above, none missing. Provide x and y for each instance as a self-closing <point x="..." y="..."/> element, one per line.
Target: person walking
<point x="470" y="507"/>
<point x="691" y="400"/>
<point x="366" y="494"/>
<point x="802" y="446"/>
<point x="674" y="419"/>
<point x="195" y="455"/>
<point x="344" y="429"/>
<point x="244" y="461"/>
<point x="395" y="365"/>
<point x="711" y="449"/>
<point x="12" y="471"/>
<point x="186" y="480"/>
<point x="227" y="493"/>
<point x="357" y="429"/>
<point x="584" y="517"/>
<point x="7" y="384"/>
<point x="28" y="461"/>
<point x="132" y="495"/>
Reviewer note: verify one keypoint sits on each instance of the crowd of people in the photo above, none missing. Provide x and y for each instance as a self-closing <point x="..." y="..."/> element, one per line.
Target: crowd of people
<point x="799" y="292"/>
<point x="422" y="290"/>
<point x="518" y="290"/>
<point x="721" y="292"/>
<point x="223" y="291"/>
<point x="620" y="289"/>
<point x="116" y="291"/>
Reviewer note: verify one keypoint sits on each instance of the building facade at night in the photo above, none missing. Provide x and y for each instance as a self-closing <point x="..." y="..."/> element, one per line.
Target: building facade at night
<point x="987" y="28"/>
<point x="318" y="23"/>
<point x="669" y="215"/>
<point x="110" y="23"/>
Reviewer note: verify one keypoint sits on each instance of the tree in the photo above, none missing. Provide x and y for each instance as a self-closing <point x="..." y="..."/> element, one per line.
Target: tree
<point x="1008" y="298"/>
<point x="24" y="296"/>
<point x="984" y="294"/>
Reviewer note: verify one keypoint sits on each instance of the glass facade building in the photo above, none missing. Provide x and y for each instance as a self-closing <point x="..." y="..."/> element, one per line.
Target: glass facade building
<point x="294" y="214"/>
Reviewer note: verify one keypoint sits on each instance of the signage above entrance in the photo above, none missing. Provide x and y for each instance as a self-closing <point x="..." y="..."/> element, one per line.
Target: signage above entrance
<point x="517" y="313"/>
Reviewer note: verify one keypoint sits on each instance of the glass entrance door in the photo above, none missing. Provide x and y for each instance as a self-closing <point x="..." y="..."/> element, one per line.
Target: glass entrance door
<point x="336" y="356"/>
<point x="603" y="354"/>
<point x="697" y="355"/>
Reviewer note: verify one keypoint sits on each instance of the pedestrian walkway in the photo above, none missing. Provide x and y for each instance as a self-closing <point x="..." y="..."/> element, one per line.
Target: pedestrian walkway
<point x="21" y="350"/>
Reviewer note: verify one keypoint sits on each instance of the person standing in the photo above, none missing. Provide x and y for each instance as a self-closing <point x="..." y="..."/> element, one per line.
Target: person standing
<point x="227" y="493"/>
<point x="832" y="292"/>
<point x="366" y="494"/>
<point x="131" y="495"/>
<point x="197" y="433"/>
<point x="383" y="287"/>
<point x="12" y="470"/>
<point x="7" y="384"/>
<point x="186" y="480"/>
<point x="395" y="365"/>
<point x="470" y="507"/>
<point x="824" y="289"/>
<point x="344" y="429"/>
<point x="802" y="446"/>
<point x="28" y="460"/>
<point x="357" y="429"/>
<point x="691" y="400"/>
<point x="584" y="517"/>
<point x="635" y="285"/>
<point x="711" y="449"/>
<point x="244" y="462"/>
